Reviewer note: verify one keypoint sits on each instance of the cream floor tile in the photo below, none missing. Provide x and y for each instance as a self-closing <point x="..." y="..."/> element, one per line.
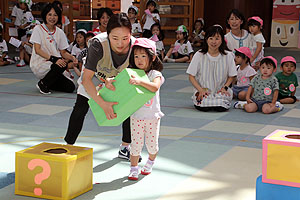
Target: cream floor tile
<point x="40" y="109"/>
<point x="232" y="127"/>
<point x="193" y="113"/>
<point x="174" y="133"/>
<point x="183" y="77"/>
<point x="268" y="129"/>
<point x="189" y="89"/>
<point x="7" y="81"/>
<point x="290" y="105"/>
<point x="230" y="177"/>
<point x="293" y="113"/>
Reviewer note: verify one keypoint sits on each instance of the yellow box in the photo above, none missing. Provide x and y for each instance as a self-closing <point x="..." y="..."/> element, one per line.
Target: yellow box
<point x="54" y="171"/>
<point x="281" y="158"/>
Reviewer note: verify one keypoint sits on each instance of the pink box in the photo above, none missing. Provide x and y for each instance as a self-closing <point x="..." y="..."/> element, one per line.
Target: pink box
<point x="281" y="158"/>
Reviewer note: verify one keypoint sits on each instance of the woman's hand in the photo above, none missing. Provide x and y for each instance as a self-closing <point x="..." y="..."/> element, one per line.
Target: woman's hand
<point x="109" y="85"/>
<point x="203" y="93"/>
<point x="61" y="62"/>
<point x="108" y="109"/>
<point x="134" y="81"/>
<point x="223" y="91"/>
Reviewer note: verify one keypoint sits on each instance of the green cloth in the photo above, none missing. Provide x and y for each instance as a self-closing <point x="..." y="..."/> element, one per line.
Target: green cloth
<point x="287" y="83"/>
<point x="129" y="97"/>
<point x="264" y="89"/>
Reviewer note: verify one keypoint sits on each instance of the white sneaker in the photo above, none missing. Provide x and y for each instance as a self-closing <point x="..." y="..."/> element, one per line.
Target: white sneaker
<point x="240" y="104"/>
<point x="279" y="106"/>
<point x="147" y="169"/>
<point x="134" y="174"/>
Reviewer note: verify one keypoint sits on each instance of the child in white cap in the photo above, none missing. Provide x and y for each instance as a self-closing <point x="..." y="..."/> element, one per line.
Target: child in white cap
<point x="145" y="122"/>
<point x="136" y="26"/>
<point x="257" y="42"/>
<point x="288" y="81"/>
<point x="245" y="72"/>
<point x="182" y="51"/>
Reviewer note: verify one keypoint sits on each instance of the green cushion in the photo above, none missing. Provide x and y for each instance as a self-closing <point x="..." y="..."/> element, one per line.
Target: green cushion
<point x="129" y="97"/>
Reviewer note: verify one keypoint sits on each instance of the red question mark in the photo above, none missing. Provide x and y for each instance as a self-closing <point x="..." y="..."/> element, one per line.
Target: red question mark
<point x="41" y="176"/>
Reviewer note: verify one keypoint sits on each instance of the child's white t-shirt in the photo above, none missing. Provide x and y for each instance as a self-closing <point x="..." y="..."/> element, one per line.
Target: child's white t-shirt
<point x="136" y="28"/>
<point x="159" y="47"/>
<point x="21" y="17"/>
<point x="243" y="76"/>
<point x="257" y="38"/>
<point x="185" y="48"/>
<point x="76" y="51"/>
<point x="149" y="21"/>
<point x="200" y="35"/>
<point x="3" y="48"/>
<point x="151" y="109"/>
<point x="18" y="14"/>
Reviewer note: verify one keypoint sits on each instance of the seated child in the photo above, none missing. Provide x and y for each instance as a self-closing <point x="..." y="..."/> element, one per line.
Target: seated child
<point x="3" y="50"/>
<point x="182" y="50"/>
<point x="158" y="37"/>
<point x="81" y="57"/>
<point x="197" y="36"/>
<point x="245" y="72"/>
<point x="136" y="30"/>
<point x="25" y="51"/>
<point x="287" y="80"/>
<point x="263" y="90"/>
<point x="79" y="46"/>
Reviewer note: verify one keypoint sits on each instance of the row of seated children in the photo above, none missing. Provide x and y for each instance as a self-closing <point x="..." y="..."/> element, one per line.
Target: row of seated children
<point x="262" y="90"/>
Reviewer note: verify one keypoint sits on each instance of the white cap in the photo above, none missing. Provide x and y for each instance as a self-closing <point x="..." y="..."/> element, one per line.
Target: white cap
<point x="81" y="30"/>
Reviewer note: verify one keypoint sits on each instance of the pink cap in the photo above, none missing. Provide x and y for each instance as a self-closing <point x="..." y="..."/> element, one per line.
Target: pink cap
<point x="258" y="19"/>
<point x="273" y="59"/>
<point x="245" y="50"/>
<point x="146" y="43"/>
<point x="288" y="59"/>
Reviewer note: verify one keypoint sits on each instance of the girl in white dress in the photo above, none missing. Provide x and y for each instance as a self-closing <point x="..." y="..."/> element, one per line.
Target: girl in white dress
<point x="211" y="72"/>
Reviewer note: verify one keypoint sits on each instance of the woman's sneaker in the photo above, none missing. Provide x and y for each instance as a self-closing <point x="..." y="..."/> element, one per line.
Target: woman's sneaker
<point x="124" y="153"/>
<point x="43" y="88"/>
<point x="147" y="169"/>
<point x="134" y="173"/>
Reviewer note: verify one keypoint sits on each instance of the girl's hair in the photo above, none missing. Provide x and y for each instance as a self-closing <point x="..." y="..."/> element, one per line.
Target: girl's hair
<point x="201" y="22"/>
<point x="84" y="41"/>
<point x="132" y="9"/>
<point x="118" y="20"/>
<point x="238" y="14"/>
<point x="153" y="65"/>
<point x="47" y="9"/>
<point x="267" y="61"/>
<point x="253" y="22"/>
<point x="153" y="3"/>
<point x="161" y="35"/>
<point x="90" y="34"/>
<point x="27" y="7"/>
<point x="237" y="53"/>
<point x="58" y="3"/>
<point x="211" y="32"/>
<point x="101" y="11"/>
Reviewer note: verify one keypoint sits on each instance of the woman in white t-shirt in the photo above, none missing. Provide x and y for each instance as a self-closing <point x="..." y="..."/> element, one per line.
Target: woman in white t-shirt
<point x="211" y="72"/>
<point x="49" y="56"/>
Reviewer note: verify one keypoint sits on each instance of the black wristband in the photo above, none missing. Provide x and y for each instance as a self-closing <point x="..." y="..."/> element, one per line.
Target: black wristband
<point x="53" y="59"/>
<point x="226" y="87"/>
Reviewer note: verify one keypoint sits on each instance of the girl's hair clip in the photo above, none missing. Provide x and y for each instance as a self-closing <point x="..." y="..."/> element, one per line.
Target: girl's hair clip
<point x="218" y="25"/>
